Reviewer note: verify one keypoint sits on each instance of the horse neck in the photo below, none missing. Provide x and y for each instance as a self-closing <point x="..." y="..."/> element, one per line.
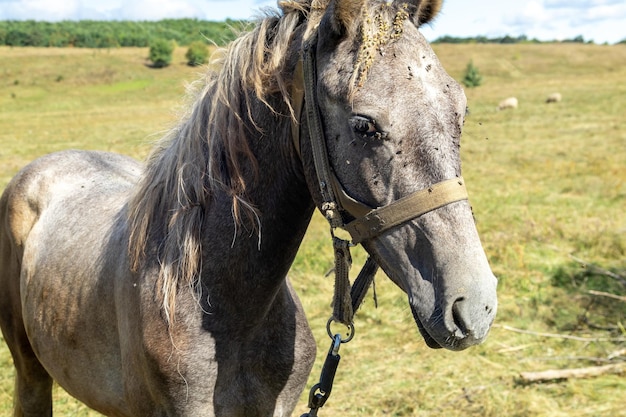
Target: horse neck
<point x="246" y="267"/>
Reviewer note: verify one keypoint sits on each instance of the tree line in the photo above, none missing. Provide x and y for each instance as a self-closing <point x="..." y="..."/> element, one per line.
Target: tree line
<point x="112" y="34"/>
<point x="508" y="39"/>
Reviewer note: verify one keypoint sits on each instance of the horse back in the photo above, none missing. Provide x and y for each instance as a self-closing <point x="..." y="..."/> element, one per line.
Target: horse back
<point x="59" y="180"/>
<point x="61" y="175"/>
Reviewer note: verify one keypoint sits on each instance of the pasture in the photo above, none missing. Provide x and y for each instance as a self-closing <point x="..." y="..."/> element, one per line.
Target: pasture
<point x="547" y="183"/>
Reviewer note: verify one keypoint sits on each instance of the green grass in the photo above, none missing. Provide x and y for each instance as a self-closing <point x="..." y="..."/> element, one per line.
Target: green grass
<point x="547" y="182"/>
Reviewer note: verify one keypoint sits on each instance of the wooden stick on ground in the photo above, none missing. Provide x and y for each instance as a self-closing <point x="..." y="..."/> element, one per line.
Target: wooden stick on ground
<point x="600" y="271"/>
<point x="561" y="336"/>
<point x="606" y="294"/>
<point x="560" y="374"/>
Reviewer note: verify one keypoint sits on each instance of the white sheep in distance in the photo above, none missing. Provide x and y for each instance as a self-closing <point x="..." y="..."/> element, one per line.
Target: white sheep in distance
<point x="508" y="103"/>
<point x="554" y="98"/>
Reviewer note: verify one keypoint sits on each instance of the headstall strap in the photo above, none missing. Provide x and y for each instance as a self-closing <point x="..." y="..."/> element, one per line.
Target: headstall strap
<point x="330" y="207"/>
<point x="342" y="305"/>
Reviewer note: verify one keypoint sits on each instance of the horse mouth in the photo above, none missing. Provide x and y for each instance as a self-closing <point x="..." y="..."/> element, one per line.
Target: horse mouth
<point x="430" y="341"/>
<point x="459" y="339"/>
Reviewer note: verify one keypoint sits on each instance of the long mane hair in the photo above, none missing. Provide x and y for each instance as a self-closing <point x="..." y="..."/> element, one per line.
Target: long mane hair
<point x="203" y="154"/>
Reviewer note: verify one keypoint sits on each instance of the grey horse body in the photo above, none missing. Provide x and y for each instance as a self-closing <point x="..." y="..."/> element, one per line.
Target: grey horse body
<point x="98" y="327"/>
<point x="89" y="240"/>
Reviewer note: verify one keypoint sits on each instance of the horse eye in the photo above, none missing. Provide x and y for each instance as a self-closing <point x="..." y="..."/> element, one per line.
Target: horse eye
<point x="366" y="127"/>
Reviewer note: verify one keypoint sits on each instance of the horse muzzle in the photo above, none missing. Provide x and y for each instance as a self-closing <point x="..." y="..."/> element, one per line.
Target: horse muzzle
<point x="457" y="324"/>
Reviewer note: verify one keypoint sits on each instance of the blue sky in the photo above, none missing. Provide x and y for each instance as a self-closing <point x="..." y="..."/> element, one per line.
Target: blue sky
<point x="597" y="20"/>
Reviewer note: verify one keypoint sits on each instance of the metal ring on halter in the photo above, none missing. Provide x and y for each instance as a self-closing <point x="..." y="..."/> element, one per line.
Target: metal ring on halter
<point x="332" y="336"/>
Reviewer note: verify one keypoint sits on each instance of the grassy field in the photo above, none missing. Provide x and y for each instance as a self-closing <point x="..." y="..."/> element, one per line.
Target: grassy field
<point x="547" y="184"/>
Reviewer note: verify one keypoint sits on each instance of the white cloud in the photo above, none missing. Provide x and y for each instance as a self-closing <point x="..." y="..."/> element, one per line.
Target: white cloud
<point x="534" y="10"/>
<point x="579" y="4"/>
<point x="560" y="19"/>
<point x="608" y="11"/>
<point x="54" y="10"/>
<point x="23" y="8"/>
<point x="147" y="10"/>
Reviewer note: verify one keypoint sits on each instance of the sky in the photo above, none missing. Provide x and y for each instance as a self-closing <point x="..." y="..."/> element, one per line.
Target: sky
<point x="597" y="20"/>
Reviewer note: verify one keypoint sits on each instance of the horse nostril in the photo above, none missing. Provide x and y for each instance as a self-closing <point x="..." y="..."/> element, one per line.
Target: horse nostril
<point x="458" y="315"/>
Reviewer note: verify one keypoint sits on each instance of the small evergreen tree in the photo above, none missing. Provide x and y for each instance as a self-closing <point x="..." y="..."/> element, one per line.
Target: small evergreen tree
<point x="472" y="77"/>
<point x="161" y="51"/>
<point x="197" y="54"/>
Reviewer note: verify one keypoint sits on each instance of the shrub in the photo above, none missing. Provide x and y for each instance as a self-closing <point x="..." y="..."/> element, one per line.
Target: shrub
<point x="197" y="54"/>
<point x="472" y="77"/>
<point x="161" y="51"/>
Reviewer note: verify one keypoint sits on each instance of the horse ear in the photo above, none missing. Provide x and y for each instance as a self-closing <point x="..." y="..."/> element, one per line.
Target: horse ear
<point x="344" y="15"/>
<point x="421" y="11"/>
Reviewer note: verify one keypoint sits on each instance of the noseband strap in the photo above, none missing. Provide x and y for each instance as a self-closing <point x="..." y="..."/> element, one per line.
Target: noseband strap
<point x="405" y="209"/>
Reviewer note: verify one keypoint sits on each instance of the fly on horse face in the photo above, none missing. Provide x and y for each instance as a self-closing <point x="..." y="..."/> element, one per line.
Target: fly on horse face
<point x="161" y="290"/>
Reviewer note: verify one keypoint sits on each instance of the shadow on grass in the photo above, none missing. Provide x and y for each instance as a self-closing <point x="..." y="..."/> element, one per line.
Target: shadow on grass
<point x="597" y="299"/>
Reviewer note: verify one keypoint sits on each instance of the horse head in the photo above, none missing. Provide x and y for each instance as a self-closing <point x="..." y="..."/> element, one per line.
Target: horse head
<point x="391" y="119"/>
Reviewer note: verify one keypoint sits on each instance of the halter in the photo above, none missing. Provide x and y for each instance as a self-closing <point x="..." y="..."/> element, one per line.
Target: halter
<point x="368" y="222"/>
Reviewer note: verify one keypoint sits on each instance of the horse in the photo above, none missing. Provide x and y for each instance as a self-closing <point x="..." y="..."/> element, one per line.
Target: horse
<point x="161" y="289"/>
